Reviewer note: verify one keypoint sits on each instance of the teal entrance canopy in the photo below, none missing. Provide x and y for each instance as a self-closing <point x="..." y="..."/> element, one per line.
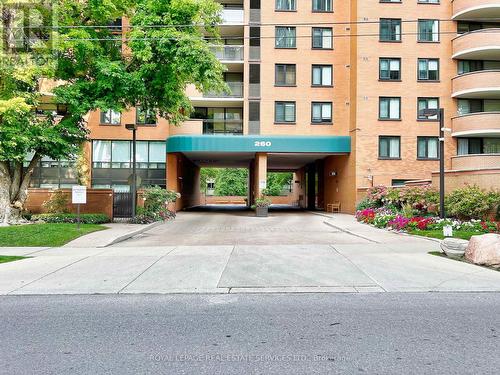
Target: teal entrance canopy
<point x="259" y="143"/>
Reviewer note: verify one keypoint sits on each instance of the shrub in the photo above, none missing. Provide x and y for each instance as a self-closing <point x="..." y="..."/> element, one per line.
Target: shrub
<point x="421" y="198"/>
<point x="155" y="207"/>
<point x="470" y="202"/>
<point x="376" y="195"/>
<point x="366" y="203"/>
<point x="72" y="218"/>
<point x="57" y="203"/>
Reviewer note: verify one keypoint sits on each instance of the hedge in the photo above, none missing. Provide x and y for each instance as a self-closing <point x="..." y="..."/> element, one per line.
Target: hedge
<point x="72" y="218"/>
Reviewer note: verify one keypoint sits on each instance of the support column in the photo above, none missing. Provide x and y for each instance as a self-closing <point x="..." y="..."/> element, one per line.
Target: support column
<point x="251" y="184"/>
<point x="260" y="173"/>
<point x="173" y="177"/>
<point x="311" y="186"/>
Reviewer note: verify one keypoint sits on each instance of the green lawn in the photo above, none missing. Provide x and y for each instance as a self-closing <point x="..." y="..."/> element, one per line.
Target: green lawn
<point x="5" y="258"/>
<point x="44" y="234"/>
<point x="439" y="234"/>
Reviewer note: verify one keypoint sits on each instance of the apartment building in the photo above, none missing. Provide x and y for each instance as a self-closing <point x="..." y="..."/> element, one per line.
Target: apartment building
<point x="331" y="90"/>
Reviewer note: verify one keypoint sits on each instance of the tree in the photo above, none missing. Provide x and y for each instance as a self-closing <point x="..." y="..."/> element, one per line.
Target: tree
<point x="232" y="181"/>
<point x="165" y="51"/>
<point x="277" y="181"/>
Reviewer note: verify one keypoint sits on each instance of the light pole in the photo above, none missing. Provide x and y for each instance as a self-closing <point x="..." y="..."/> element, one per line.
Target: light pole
<point x="133" y="128"/>
<point x="440" y="115"/>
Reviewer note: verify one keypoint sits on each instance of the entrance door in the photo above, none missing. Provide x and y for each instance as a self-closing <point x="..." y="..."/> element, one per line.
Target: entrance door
<point x="122" y="205"/>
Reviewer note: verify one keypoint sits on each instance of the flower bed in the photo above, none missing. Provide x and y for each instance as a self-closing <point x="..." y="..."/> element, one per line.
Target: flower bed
<point x="415" y="210"/>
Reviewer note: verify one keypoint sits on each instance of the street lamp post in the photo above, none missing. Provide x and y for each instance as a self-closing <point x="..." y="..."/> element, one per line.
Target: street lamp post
<point x="133" y="128"/>
<point x="440" y="114"/>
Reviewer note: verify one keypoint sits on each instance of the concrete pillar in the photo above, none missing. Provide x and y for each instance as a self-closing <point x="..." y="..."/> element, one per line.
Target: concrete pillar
<point x="251" y="184"/>
<point x="311" y="186"/>
<point x="173" y="181"/>
<point x="260" y="173"/>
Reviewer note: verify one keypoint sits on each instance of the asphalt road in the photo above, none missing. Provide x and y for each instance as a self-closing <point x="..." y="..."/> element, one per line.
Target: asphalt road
<point x="412" y="333"/>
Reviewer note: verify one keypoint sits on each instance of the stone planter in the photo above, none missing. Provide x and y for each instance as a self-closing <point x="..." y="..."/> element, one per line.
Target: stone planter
<point x="454" y="247"/>
<point x="261" y="211"/>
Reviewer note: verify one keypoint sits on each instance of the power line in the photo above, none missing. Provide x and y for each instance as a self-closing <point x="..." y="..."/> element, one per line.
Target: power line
<point x="129" y="39"/>
<point x="229" y="24"/>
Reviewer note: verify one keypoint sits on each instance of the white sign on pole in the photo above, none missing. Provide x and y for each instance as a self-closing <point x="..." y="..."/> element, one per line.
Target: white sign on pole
<point x="79" y="195"/>
<point x="263" y="184"/>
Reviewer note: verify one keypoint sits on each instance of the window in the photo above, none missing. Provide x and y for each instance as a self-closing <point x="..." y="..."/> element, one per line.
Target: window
<point x="286" y="5"/>
<point x="286" y="37"/>
<point x="389" y="108"/>
<point x="110" y="117"/>
<point x="428" y="1"/>
<point x="322" y="37"/>
<point x="427" y="103"/>
<point x="101" y="153"/>
<point x="475" y="146"/>
<point x="322" y="5"/>
<point x="145" y="117"/>
<point x="389" y="147"/>
<point x="390" y="29"/>
<point x="427" y="147"/>
<point x="321" y="112"/>
<point x="118" y="154"/>
<point x="428" y="69"/>
<point x="390" y="69"/>
<point x="322" y="75"/>
<point x="285" y="75"/>
<point x="428" y="30"/>
<point x="284" y="112"/>
<point x="390" y="1"/>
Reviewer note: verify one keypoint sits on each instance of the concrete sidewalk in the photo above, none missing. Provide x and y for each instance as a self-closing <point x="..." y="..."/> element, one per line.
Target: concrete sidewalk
<point x="347" y="257"/>
<point x="242" y="269"/>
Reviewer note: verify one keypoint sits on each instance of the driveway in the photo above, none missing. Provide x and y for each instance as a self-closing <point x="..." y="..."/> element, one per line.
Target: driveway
<point x="235" y="252"/>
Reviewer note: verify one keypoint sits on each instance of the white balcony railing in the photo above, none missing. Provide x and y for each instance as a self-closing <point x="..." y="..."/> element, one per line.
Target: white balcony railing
<point x="228" y="53"/>
<point x="231" y="16"/>
<point x="235" y="91"/>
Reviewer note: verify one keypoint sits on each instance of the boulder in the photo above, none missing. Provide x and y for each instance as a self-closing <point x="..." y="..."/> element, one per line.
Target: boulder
<point x="484" y="250"/>
<point x="454" y="247"/>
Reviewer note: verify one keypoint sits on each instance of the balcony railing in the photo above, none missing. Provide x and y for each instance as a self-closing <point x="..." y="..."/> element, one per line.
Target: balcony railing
<point x="477" y="45"/>
<point x="235" y="91"/>
<point x="476" y="9"/>
<point x="477" y="85"/>
<point x="228" y="127"/>
<point x="474" y="124"/>
<point x="233" y="16"/>
<point x="228" y="53"/>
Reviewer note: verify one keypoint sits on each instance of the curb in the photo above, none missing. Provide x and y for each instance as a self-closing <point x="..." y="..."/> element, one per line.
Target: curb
<point x="131" y="234"/>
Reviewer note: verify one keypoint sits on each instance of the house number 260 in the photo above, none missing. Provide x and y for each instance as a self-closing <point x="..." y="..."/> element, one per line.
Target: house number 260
<point x="263" y="143"/>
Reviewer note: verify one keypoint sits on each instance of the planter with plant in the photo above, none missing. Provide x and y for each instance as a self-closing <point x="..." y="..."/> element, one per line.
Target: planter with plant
<point x="261" y="206"/>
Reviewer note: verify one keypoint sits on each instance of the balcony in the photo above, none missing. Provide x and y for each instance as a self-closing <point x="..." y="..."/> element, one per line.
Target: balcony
<point x="233" y="16"/>
<point x="475" y="124"/>
<point x="235" y="91"/>
<point x="475" y="9"/>
<point x="228" y="53"/>
<point x="476" y="161"/>
<point x="478" y="45"/>
<point x="223" y="127"/>
<point x="483" y="84"/>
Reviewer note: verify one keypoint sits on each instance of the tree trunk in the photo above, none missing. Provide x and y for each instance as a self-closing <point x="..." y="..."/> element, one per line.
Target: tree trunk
<point x="14" y="183"/>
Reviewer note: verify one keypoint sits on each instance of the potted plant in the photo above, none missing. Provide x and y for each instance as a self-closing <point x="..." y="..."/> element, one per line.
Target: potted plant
<point x="261" y="206"/>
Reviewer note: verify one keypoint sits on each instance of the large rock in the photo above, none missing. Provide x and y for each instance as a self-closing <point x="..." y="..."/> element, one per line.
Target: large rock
<point x="484" y="250"/>
<point x="454" y="247"/>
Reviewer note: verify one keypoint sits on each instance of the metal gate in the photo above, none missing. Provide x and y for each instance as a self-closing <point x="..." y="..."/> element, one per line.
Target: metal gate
<point x="122" y="205"/>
